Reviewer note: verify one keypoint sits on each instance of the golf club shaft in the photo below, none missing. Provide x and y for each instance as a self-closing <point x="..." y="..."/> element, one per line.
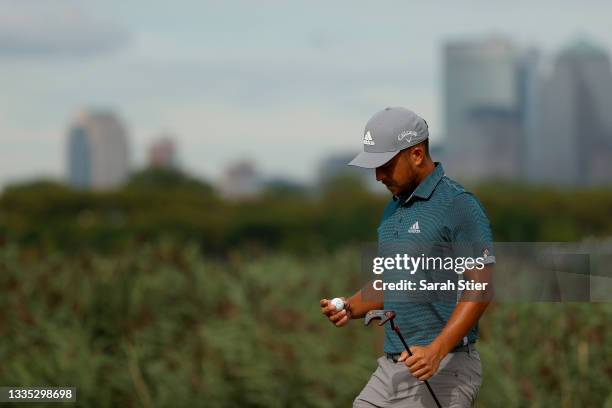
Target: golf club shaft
<point x="397" y="330"/>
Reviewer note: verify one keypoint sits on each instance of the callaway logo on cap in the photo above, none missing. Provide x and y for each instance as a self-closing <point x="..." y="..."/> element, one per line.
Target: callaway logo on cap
<point x="394" y="129"/>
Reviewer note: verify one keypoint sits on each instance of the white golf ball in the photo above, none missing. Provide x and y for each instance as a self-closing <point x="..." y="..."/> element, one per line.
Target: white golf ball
<point x="338" y="304"/>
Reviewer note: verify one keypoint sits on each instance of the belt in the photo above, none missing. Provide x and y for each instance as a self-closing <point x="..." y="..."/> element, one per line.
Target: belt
<point x="468" y="348"/>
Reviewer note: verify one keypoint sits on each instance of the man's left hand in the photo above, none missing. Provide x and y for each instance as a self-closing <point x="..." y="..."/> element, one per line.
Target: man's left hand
<point x="424" y="362"/>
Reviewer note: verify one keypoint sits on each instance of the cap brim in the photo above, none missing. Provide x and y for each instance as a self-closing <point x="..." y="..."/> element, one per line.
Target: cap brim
<point x="370" y="160"/>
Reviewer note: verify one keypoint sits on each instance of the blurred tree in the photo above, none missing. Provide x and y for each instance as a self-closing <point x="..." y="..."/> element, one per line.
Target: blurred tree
<point x="284" y="188"/>
<point x="170" y="203"/>
<point x="155" y="177"/>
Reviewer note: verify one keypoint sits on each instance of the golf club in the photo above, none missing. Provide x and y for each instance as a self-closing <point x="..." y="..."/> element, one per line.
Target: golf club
<point x="388" y="316"/>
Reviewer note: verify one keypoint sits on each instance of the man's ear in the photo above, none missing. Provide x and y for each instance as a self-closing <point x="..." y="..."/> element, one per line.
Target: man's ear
<point x="417" y="155"/>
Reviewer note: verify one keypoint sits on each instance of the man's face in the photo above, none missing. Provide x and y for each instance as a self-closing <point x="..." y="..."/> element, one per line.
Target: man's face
<point x="399" y="174"/>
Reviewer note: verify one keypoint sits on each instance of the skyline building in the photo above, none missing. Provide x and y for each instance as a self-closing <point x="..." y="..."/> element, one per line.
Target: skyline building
<point x="162" y="153"/>
<point x="493" y="139"/>
<point x="529" y="88"/>
<point x="98" y="152"/>
<point x="574" y="146"/>
<point x="479" y="75"/>
<point x="241" y="180"/>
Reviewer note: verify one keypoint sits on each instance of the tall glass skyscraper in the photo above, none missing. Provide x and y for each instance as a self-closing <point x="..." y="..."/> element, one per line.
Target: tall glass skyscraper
<point x="98" y="153"/>
<point x="480" y="84"/>
<point x="575" y="138"/>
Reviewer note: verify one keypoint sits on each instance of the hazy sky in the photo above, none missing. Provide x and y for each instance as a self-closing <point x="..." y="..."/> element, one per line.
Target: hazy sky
<point x="284" y="83"/>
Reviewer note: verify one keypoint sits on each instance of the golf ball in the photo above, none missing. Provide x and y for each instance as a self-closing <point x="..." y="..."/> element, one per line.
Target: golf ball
<point x="338" y="304"/>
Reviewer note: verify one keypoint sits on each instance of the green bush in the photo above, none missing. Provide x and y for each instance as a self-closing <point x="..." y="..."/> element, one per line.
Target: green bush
<point x="54" y="217"/>
<point x="158" y="324"/>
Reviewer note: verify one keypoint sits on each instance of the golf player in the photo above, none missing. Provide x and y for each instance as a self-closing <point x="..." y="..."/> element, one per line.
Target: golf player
<point x="427" y="207"/>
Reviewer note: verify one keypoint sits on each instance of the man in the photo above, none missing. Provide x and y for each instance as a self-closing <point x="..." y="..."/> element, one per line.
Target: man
<point x="427" y="207"/>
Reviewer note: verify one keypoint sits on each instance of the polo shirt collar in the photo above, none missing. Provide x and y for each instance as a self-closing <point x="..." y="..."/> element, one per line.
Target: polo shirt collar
<point x="428" y="185"/>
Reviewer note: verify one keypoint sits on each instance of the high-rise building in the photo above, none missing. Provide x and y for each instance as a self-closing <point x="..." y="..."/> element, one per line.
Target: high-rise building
<point x="98" y="153"/>
<point x="162" y="153"/>
<point x="493" y="138"/>
<point x="479" y="75"/>
<point x="575" y="138"/>
<point x="529" y="84"/>
<point x="241" y="180"/>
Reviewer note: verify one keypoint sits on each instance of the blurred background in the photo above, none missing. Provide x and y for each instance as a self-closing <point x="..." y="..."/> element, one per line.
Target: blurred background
<point x="175" y="200"/>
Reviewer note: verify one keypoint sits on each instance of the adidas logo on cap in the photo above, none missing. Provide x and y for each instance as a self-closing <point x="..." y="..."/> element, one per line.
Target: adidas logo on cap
<point x="367" y="139"/>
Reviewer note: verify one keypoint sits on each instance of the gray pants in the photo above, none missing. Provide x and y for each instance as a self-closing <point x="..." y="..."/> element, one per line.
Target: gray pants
<point x="392" y="385"/>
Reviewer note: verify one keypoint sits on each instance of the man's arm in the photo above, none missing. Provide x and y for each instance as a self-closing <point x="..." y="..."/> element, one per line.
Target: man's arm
<point x="425" y="361"/>
<point x="467" y="312"/>
<point x="365" y="300"/>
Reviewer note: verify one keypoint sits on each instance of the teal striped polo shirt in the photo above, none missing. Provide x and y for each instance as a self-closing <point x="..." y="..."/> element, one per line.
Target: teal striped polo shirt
<point x="438" y="211"/>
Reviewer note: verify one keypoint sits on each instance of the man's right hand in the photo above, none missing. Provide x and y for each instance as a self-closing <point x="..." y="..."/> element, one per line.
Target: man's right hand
<point x="340" y="318"/>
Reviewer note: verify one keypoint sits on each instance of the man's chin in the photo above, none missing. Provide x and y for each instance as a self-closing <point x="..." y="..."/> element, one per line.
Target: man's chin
<point x="394" y="190"/>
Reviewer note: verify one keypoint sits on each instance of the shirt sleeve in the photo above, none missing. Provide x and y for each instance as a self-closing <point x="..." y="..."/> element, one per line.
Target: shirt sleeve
<point x="470" y="229"/>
